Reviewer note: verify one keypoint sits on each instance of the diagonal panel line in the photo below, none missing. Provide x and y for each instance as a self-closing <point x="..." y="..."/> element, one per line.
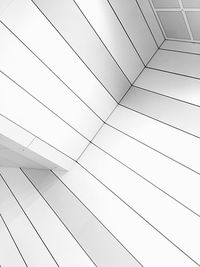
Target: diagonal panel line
<point x="67" y="188"/>
<point x="29" y="220"/>
<point x="97" y="133"/>
<point x="118" y="104"/>
<point x="68" y="88"/>
<point x="163" y="154"/>
<point x="141" y="176"/>
<point x="37" y="137"/>
<point x="146" y="23"/>
<point x="176" y="73"/>
<point x="158" y="231"/>
<point x="102" y="41"/>
<point x="148" y="116"/>
<point x="54" y="27"/>
<point x="182" y="41"/>
<point x="180" y="51"/>
<point x="135" y="49"/>
<point x="132" y="84"/>
<point x="167" y="96"/>
<point x="3" y="220"/>
<point x="44" y="105"/>
<point x="56" y="214"/>
<point x="31" y="142"/>
<point x="140" y="74"/>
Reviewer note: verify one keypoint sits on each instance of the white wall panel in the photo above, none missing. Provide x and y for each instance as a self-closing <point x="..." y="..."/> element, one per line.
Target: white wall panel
<point x="71" y="64"/>
<point x="181" y="46"/>
<point x="137" y="235"/>
<point x="151" y="19"/>
<point x="166" y="4"/>
<point x="46" y="127"/>
<point x="147" y="200"/>
<point x="134" y="23"/>
<point x="178" y="114"/>
<point x="14" y="132"/>
<point x="53" y="50"/>
<point x="159" y="170"/>
<point x="21" y="148"/>
<point x="131" y="201"/>
<point x="103" y="19"/>
<point x="191" y="3"/>
<point x="22" y="232"/>
<point x="44" y="86"/>
<point x="70" y="22"/>
<point x="177" y="62"/>
<point x="8" y="248"/>
<point x="161" y="137"/>
<point x="102" y="247"/>
<point x="10" y="158"/>
<point x="59" y="241"/>
<point x="4" y="5"/>
<point x="58" y="159"/>
<point x="172" y="85"/>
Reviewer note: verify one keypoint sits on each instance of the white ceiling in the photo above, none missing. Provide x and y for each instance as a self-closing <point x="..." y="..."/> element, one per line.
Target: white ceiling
<point x="179" y="19"/>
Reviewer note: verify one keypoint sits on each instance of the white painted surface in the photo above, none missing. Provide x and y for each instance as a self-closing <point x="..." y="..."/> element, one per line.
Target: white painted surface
<point x="191" y="3"/>
<point x="40" y="83"/>
<point x="172" y="85"/>
<point x="10" y="158"/>
<point x="174" y="180"/>
<point x="165" y="4"/>
<point x="151" y="19"/>
<point x="102" y="247"/>
<point x="181" y="46"/>
<point x="58" y="159"/>
<point x="73" y="26"/>
<point x="175" y="113"/>
<point x="54" y="51"/>
<point x="14" y="132"/>
<point x="27" y="113"/>
<point x="136" y="202"/>
<point x="22" y="231"/>
<point x="8" y="248"/>
<point x="135" y="24"/>
<point x="72" y="68"/>
<point x="159" y="136"/>
<point x="136" y="235"/>
<point x="177" y="62"/>
<point x="106" y="24"/>
<point x="147" y="200"/>
<point x="158" y="168"/>
<point x="22" y="149"/>
<point x="59" y="241"/>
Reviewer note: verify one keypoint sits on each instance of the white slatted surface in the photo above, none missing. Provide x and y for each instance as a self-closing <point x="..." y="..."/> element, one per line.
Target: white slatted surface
<point x="60" y="244"/>
<point x="8" y="247"/>
<point x="133" y="197"/>
<point x="76" y="59"/>
<point x="147" y="157"/>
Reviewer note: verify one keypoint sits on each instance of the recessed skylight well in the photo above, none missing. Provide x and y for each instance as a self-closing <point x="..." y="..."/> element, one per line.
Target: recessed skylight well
<point x="179" y="19"/>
